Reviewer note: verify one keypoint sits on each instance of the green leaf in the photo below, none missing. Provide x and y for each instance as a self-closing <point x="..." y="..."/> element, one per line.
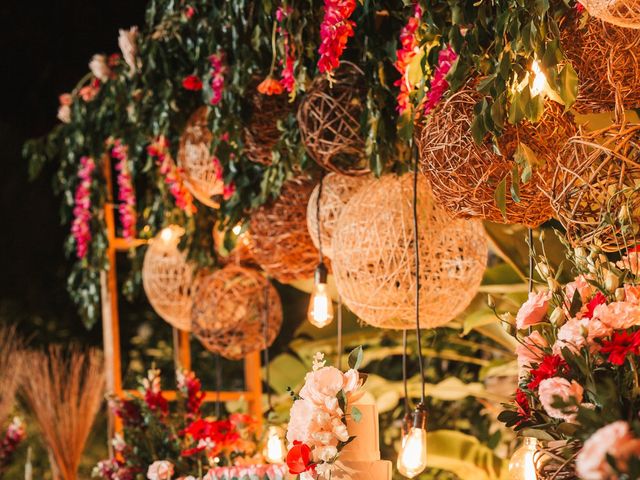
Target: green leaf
<point x="515" y="184"/>
<point x="568" y="84"/>
<point x="527" y="160"/>
<point x="356" y="414"/>
<point x="500" y="197"/>
<point x="355" y="357"/>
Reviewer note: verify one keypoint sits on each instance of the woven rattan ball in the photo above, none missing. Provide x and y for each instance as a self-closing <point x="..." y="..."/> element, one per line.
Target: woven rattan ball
<point x="233" y="245"/>
<point x="329" y="121"/>
<point x="261" y="132"/>
<point x="202" y="175"/>
<point x="595" y="191"/>
<point x="374" y="260"/>
<point x="280" y="242"/>
<point x="624" y="13"/>
<point x="231" y="308"/>
<point x="167" y="278"/>
<point x="606" y="57"/>
<point x="336" y="191"/>
<point x="464" y="176"/>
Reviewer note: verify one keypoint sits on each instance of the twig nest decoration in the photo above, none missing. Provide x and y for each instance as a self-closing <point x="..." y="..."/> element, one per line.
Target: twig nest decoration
<point x="280" y="242"/>
<point x="329" y="121"/>
<point x="261" y="133"/>
<point x="167" y="278"/>
<point x="202" y="173"/>
<point x="464" y="176"/>
<point x="606" y="57"/>
<point x="337" y="190"/>
<point x="230" y="308"/>
<point x="374" y="260"/>
<point x="624" y="13"/>
<point x="595" y="188"/>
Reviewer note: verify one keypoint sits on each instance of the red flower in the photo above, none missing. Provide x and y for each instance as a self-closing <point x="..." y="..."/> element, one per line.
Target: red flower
<point x="192" y="82"/>
<point x="405" y="55"/>
<point x="299" y="458"/>
<point x="621" y="344"/>
<point x="270" y="86"/>
<point x="635" y="248"/>
<point x="598" y="299"/>
<point x="156" y="401"/>
<point x="189" y="11"/>
<point x="548" y="368"/>
<point x="524" y="410"/>
<point x="335" y="30"/>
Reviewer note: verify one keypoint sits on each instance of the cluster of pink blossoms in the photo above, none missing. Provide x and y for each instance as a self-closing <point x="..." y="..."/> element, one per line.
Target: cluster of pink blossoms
<point x="218" y="70"/>
<point x="409" y="49"/>
<point x="126" y="192"/>
<point x="82" y="207"/>
<point x="439" y="84"/>
<point x="335" y="30"/>
<point x="287" y="75"/>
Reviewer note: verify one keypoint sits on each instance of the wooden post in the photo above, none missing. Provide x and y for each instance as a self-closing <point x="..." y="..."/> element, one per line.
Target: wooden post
<point x="253" y="384"/>
<point x="181" y="349"/>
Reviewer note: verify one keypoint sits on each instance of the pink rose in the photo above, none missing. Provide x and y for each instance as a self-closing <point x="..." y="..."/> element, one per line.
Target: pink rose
<point x="582" y="286"/>
<point x="614" y="439"/>
<point x="632" y="294"/>
<point x="322" y="383"/>
<point x="572" y="335"/>
<point x="531" y="349"/>
<point x="552" y="388"/>
<point x="618" y="315"/>
<point x="597" y="329"/>
<point x="160" y="470"/>
<point x="533" y="310"/>
<point x="351" y="381"/>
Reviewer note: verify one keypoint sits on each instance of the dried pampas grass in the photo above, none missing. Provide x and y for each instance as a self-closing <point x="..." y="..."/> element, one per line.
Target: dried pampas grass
<point x="10" y="360"/>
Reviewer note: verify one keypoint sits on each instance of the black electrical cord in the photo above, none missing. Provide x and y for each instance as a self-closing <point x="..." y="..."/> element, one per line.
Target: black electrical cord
<point x="530" y="239"/>
<point x="416" y="246"/>
<point x="318" y="223"/>
<point x="404" y="372"/>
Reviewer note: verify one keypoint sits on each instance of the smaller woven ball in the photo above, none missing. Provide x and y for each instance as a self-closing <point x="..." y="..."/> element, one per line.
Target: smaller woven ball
<point x="203" y="176"/>
<point x="329" y="121"/>
<point x="336" y="191"/>
<point x="374" y="257"/>
<point x="167" y="278"/>
<point x="280" y="242"/>
<point x="236" y="311"/>
<point x="623" y="13"/>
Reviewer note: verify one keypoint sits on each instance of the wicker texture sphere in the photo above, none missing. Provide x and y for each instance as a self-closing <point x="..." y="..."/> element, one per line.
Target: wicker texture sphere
<point x="167" y="277"/>
<point x="233" y="246"/>
<point x="280" y="242"/>
<point x="606" y="57"/>
<point x="595" y="188"/>
<point x="464" y="175"/>
<point x="336" y="191"/>
<point x="329" y="121"/>
<point x="202" y="177"/>
<point x="624" y="13"/>
<point x="374" y="260"/>
<point x="230" y="308"/>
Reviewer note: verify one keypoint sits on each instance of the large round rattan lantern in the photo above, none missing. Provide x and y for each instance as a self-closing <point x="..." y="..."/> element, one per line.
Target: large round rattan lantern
<point x="202" y="174"/>
<point x="329" y="121"/>
<point x="280" y="242"/>
<point x="236" y="311"/>
<point x="623" y="13"/>
<point x="374" y="260"/>
<point x="464" y="176"/>
<point x="337" y="190"/>
<point x="167" y="278"/>
<point x="596" y="188"/>
<point x="606" y="58"/>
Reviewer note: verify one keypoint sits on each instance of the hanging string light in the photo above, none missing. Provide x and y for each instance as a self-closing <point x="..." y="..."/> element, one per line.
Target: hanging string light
<point x="412" y="459"/>
<point x="320" y="312"/>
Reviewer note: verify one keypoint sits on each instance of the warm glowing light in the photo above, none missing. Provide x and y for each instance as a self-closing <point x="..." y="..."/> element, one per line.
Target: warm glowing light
<point x="412" y="458"/>
<point x="237" y="229"/>
<point x="275" y="450"/>
<point x="522" y="464"/>
<point x="320" y="312"/>
<point x="166" y="234"/>
<point x="539" y="79"/>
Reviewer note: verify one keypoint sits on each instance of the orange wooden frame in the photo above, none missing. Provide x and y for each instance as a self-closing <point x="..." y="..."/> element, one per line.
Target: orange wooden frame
<point x="182" y="351"/>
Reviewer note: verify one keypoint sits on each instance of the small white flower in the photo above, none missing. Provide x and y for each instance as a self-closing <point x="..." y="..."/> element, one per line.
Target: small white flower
<point x="99" y="68"/>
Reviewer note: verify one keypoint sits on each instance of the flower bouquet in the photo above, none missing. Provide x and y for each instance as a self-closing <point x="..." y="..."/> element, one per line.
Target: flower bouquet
<point x="317" y="428"/>
<point x="578" y="356"/>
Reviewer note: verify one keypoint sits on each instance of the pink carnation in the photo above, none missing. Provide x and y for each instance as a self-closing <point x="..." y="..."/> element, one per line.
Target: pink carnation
<point x="632" y="293"/>
<point x="572" y="335"/>
<point x="160" y="470"/>
<point x="300" y="425"/>
<point x="552" y="388"/>
<point x="533" y="310"/>
<point x="582" y="286"/>
<point x="618" y="315"/>
<point x="531" y="350"/>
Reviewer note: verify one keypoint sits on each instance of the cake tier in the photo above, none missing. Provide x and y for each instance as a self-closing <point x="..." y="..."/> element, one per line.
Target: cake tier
<point x="378" y="470"/>
<point x="365" y="447"/>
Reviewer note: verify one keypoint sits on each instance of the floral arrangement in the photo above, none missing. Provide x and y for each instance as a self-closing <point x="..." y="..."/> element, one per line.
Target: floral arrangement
<point x="13" y="437"/>
<point x="579" y="347"/>
<point x="164" y="440"/>
<point x="317" y="429"/>
<point x="335" y="30"/>
<point x="126" y="191"/>
<point x="80" y="228"/>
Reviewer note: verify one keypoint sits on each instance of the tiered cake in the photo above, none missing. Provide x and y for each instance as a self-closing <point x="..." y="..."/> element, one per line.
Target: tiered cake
<point x="360" y="460"/>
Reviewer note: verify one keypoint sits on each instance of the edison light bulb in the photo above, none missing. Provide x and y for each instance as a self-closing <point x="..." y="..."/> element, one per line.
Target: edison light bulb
<point x="412" y="459"/>
<point x="539" y="80"/>
<point x="522" y="464"/>
<point x="237" y="229"/>
<point x="166" y="234"/>
<point x="320" y="312"/>
<point x="274" y="450"/>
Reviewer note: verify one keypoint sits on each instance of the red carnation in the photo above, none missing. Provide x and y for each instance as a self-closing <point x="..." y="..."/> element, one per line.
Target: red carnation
<point x="524" y="410"/>
<point x="192" y="82"/>
<point x="598" y="299"/>
<point x="621" y="344"/>
<point x="156" y="402"/>
<point x="299" y="458"/>
<point x="548" y="368"/>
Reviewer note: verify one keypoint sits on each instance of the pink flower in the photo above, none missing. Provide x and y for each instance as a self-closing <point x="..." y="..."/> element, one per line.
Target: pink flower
<point x="80" y="228"/>
<point x="89" y="92"/>
<point x="99" y="68"/>
<point x="618" y="315"/>
<point x="630" y="261"/>
<point x="126" y="191"/>
<point x="405" y="55"/>
<point x="160" y="470"/>
<point x="335" y="30"/>
<point x="64" y="110"/>
<point x="218" y="71"/>
<point x="439" y="83"/>
<point x="127" y="43"/>
<point x="632" y="293"/>
<point x="582" y="286"/>
<point x="614" y="439"/>
<point x="300" y="424"/>
<point x="322" y="383"/>
<point x="572" y="335"/>
<point x="531" y="350"/>
<point x="533" y="310"/>
<point x="552" y="388"/>
<point x="351" y="381"/>
<point x="287" y="76"/>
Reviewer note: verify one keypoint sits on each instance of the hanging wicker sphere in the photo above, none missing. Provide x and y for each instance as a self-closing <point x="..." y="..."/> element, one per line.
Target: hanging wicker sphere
<point x="374" y="260"/>
<point x="623" y="13"/>
<point x="464" y="176"/>
<point x="280" y="242"/>
<point x="329" y="121"/>
<point x="595" y="190"/>
<point x="230" y="307"/>
<point x="233" y="245"/>
<point x="261" y="132"/>
<point x="167" y="278"/>
<point x="336" y="191"/>
<point x="606" y="57"/>
<point x="201" y="174"/>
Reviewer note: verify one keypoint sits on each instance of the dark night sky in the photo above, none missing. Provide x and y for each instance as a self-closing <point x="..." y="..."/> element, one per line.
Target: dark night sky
<point x="46" y="46"/>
